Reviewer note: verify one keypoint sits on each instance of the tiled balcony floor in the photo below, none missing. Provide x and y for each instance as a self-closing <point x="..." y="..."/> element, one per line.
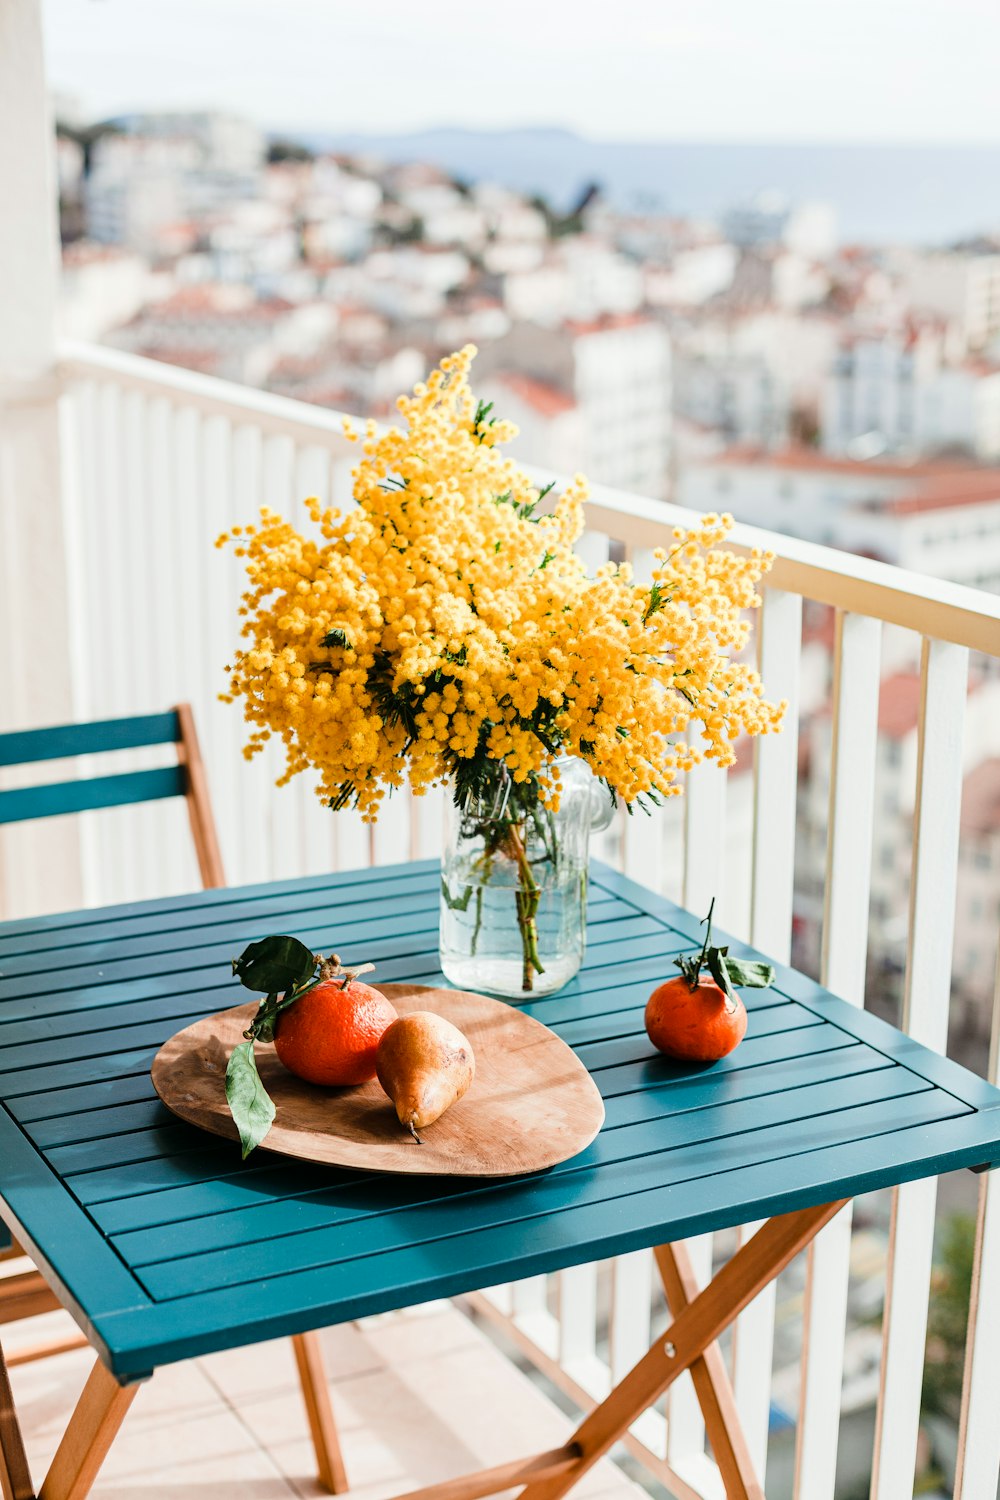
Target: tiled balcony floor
<point x="419" y="1397"/>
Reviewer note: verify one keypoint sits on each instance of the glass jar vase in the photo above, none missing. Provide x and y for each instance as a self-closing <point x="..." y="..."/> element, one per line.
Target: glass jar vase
<point x="514" y="883"/>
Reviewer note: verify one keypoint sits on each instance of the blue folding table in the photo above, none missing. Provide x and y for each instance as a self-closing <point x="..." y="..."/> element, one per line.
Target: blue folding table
<point x="164" y="1245"/>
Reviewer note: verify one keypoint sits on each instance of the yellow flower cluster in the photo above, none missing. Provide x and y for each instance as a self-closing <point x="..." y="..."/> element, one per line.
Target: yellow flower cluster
<point x="441" y="624"/>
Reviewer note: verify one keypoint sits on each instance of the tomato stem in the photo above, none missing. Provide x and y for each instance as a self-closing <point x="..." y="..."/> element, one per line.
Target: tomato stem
<point x="707" y="921"/>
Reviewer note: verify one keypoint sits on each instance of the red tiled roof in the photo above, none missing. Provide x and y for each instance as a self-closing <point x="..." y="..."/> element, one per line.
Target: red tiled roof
<point x="981" y="799"/>
<point x="813" y="460"/>
<point x="547" y="400"/>
<point x="206" y="361"/>
<point x="605" y="323"/>
<point x="86" y="252"/>
<point x="942" y="494"/>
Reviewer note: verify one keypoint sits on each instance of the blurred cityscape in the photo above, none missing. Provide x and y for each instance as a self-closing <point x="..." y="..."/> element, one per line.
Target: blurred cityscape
<point x="842" y="393"/>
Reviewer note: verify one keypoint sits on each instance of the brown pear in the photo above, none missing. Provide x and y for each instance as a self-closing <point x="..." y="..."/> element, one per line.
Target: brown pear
<point x="425" y="1065"/>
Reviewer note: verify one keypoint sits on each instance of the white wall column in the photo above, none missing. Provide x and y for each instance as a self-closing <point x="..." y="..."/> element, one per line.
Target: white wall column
<point x="39" y="863"/>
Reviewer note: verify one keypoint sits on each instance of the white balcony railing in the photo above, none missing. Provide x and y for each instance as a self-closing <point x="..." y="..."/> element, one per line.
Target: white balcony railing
<point x="158" y="461"/>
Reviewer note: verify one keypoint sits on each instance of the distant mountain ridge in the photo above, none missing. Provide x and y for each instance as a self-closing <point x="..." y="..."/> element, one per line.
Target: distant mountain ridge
<point x="882" y="194"/>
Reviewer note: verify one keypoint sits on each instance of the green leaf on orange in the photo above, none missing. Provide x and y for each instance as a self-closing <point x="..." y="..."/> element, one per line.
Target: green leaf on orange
<point x="748" y="973"/>
<point x="249" y="1102"/>
<point x="274" y="965"/>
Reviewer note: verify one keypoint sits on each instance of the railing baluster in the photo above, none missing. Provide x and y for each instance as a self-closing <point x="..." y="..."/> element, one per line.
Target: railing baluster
<point x="285" y="813"/>
<point x="779" y="645"/>
<point x="704" y="859"/>
<point x="644" y="837"/>
<point x="631" y="1312"/>
<point x="578" y="1318"/>
<point x="426" y="822"/>
<point x="79" y="488"/>
<point x="107" y="601"/>
<point x="223" y="733"/>
<point x="252" y="833"/>
<point x="704" y="836"/>
<point x="773" y="868"/>
<point x="854" y="735"/>
<point x="944" y="678"/>
<point x="532" y="1316"/>
<point x="977" y="1470"/>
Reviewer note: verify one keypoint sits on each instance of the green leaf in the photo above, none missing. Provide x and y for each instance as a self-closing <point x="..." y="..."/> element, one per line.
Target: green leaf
<point x="249" y="1102"/>
<point x="748" y="974"/>
<point x="717" y="967"/>
<point x="274" y="964"/>
<point x="336" y="637"/>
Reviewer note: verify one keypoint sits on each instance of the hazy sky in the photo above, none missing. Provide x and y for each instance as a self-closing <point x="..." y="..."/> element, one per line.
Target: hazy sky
<point x="774" y="70"/>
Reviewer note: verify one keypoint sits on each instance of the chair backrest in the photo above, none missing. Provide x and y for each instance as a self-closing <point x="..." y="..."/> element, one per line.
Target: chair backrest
<point x="185" y="779"/>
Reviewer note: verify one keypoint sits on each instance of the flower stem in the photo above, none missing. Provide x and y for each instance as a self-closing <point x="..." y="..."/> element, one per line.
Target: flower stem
<point x="528" y="895"/>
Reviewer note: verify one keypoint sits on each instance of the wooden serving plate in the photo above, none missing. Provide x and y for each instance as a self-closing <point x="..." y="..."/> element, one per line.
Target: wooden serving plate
<point x="532" y="1102"/>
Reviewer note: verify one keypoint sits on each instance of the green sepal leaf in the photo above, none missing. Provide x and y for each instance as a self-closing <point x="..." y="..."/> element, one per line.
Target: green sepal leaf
<point x="718" y="967"/>
<point x="249" y="1102"/>
<point x="749" y="974"/>
<point x="274" y="964"/>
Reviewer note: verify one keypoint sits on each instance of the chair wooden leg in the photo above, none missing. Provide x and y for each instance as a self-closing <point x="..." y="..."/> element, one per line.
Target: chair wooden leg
<point x="712" y="1384"/>
<point x="25" y="1294"/>
<point x="15" y="1477"/>
<point x="206" y="839"/>
<point x="92" y="1429"/>
<point x="26" y="1354"/>
<point x="323" y="1428"/>
<point x="698" y="1326"/>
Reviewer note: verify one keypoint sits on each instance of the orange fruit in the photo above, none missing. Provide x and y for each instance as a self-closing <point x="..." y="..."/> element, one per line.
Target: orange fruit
<point x="331" y="1035"/>
<point x="695" y="1025"/>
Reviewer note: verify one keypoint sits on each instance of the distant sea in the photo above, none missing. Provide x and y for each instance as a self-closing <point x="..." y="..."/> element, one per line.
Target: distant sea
<point x="882" y="194"/>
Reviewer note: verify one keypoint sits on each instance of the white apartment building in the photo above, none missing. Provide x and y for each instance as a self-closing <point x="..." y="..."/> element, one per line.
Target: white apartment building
<point x="739" y="396"/>
<point x="225" y="331"/>
<point x="898" y="393"/>
<point x="793" y="490"/>
<point x="692" y="276"/>
<point x="964" y="288"/>
<point x="797" y="347"/>
<point x="937" y="518"/>
<point x="229" y="144"/>
<point x="617" y="372"/>
<point x="548" y="419"/>
<point x="447" y="217"/>
<point x="167" y="168"/>
<point x="946" y="526"/>
<point x="580" y="277"/>
<point x="101" y="287"/>
<point x="136" y="187"/>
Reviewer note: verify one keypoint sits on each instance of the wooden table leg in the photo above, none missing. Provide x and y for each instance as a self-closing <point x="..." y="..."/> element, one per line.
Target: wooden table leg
<point x="695" y="1328"/>
<point x="92" y="1429"/>
<point x="711" y="1383"/>
<point x="15" y="1477"/>
<point x="316" y="1393"/>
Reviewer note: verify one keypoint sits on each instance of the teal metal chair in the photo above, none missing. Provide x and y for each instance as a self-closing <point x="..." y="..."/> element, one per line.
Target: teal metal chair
<point x="185" y="779"/>
<point x="23" y="1294"/>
